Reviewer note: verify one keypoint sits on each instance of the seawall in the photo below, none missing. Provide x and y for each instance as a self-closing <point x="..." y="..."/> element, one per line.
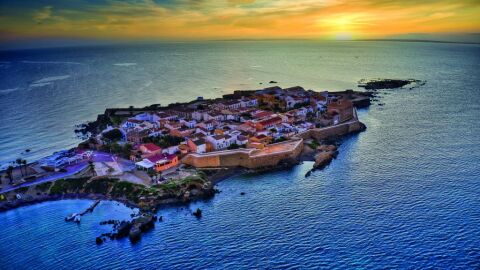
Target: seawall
<point x="270" y="156"/>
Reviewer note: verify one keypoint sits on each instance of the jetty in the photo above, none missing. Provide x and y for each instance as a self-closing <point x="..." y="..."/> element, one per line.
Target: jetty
<point x="76" y="217"/>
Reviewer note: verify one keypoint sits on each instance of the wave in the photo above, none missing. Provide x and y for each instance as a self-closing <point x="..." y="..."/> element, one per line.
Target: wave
<point x="147" y="84"/>
<point x="51" y="79"/>
<point x="6" y="91"/>
<point x="51" y="62"/>
<point x="125" y="64"/>
<point x="35" y="85"/>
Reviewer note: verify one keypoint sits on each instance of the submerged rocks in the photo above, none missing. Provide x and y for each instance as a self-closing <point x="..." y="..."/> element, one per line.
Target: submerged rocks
<point x="197" y="213"/>
<point x="98" y="240"/>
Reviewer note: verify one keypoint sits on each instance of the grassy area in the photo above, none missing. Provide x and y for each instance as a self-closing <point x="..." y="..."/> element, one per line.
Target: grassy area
<point x="44" y="186"/>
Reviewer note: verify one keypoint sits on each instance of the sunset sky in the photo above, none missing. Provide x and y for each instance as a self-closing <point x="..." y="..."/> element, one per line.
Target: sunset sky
<point x="132" y="20"/>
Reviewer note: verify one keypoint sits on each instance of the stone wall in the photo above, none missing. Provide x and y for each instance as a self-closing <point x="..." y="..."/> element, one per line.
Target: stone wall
<point x="338" y="130"/>
<point x="247" y="158"/>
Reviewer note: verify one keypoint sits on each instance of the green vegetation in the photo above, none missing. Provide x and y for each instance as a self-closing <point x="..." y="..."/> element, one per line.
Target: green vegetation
<point x="233" y="146"/>
<point x="44" y="186"/>
<point x="72" y="185"/>
<point x="22" y="189"/>
<point x="116" y="120"/>
<point x="281" y="139"/>
<point x="113" y="135"/>
<point x="164" y="141"/>
<point x="122" y="150"/>
<point x="314" y="144"/>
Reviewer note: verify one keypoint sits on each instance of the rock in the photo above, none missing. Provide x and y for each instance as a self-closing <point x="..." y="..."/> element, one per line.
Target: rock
<point x="135" y="234"/>
<point x="197" y="213"/>
<point x="242" y="193"/>
<point x="99" y="240"/>
<point x="27" y="150"/>
<point x="322" y="160"/>
<point x="272" y="82"/>
<point x="123" y="229"/>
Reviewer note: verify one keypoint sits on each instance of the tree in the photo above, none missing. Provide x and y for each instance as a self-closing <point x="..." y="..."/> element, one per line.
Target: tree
<point x="24" y="162"/>
<point x="91" y="167"/>
<point x="113" y="135"/>
<point x="10" y="173"/>
<point x="233" y="146"/>
<point x="19" y="162"/>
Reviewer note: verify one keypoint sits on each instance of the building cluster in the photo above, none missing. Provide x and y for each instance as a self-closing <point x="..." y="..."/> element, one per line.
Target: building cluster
<point x="252" y="121"/>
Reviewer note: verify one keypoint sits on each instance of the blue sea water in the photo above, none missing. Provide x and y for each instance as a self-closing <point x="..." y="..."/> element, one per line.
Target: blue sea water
<point x="404" y="194"/>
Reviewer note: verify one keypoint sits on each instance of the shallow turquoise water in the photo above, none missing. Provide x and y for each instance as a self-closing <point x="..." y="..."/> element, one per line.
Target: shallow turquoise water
<point x="403" y="194"/>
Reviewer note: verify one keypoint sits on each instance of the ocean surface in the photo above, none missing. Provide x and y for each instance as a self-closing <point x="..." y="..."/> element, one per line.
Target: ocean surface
<point x="404" y="194"/>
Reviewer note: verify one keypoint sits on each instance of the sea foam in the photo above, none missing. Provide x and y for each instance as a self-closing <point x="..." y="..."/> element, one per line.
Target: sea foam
<point x="125" y="64"/>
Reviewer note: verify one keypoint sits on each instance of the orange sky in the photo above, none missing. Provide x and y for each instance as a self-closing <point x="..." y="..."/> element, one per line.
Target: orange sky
<point x="235" y="19"/>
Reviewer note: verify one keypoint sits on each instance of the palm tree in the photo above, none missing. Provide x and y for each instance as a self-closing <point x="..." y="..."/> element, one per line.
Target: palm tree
<point x="91" y="167"/>
<point x="9" y="173"/>
<point x="24" y="162"/>
<point x="19" y="162"/>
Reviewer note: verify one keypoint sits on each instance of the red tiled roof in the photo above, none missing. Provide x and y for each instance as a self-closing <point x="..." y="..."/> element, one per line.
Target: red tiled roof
<point x="270" y="121"/>
<point x="151" y="147"/>
<point x="158" y="157"/>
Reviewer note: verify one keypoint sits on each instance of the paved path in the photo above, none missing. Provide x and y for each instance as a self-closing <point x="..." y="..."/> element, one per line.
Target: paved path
<point x="71" y="170"/>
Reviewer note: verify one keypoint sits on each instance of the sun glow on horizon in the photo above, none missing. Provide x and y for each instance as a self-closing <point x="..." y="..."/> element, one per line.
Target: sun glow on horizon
<point x="234" y="19"/>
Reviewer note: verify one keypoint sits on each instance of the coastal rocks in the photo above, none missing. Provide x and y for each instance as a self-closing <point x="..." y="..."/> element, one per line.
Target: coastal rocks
<point x="325" y="153"/>
<point x="197" y="213"/>
<point x="376" y="84"/>
<point x="141" y="225"/>
<point x="322" y="160"/>
<point x="99" y="240"/>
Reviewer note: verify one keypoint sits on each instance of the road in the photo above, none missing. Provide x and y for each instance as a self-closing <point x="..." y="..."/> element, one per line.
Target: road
<point x="71" y="170"/>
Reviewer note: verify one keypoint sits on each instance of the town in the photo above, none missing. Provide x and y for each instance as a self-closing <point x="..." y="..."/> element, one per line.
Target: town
<point x="155" y="144"/>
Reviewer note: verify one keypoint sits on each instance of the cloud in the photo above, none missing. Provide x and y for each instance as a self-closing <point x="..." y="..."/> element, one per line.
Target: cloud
<point x="212" y="19"/>
<point x="43" y="14"/>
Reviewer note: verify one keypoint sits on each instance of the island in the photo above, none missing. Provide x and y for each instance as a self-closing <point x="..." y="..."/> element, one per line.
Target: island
<point x="157" y="155"/>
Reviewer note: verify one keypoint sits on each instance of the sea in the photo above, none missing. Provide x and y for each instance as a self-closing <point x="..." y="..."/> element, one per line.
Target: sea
<point x="404" y="194"/>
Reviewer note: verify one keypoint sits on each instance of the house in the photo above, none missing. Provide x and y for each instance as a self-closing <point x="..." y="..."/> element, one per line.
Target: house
<point x="262" y="139"/>
<point x="208" y="125"/>
<point x="131" y="123"/>
<point x="197" y="146"/>
<point x="149" y="149"/>
<point x="202" y="130"/>
<point x="182" y="132"/>
<point x="188" y="123"/>
<point x="268" y="123"/>
<point x="261" y="114"/>
<point x="249" y="102"/>
<point x="219" y="141"/>
<point x="198" y="115"/>
<point x="241" y="140"/>
<point x="171" y="150"/>
<point x="136" y="136"/>
<point x="248" y="127"/>
<point x="158" y="162"/>
<point x="232" y="104"/>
